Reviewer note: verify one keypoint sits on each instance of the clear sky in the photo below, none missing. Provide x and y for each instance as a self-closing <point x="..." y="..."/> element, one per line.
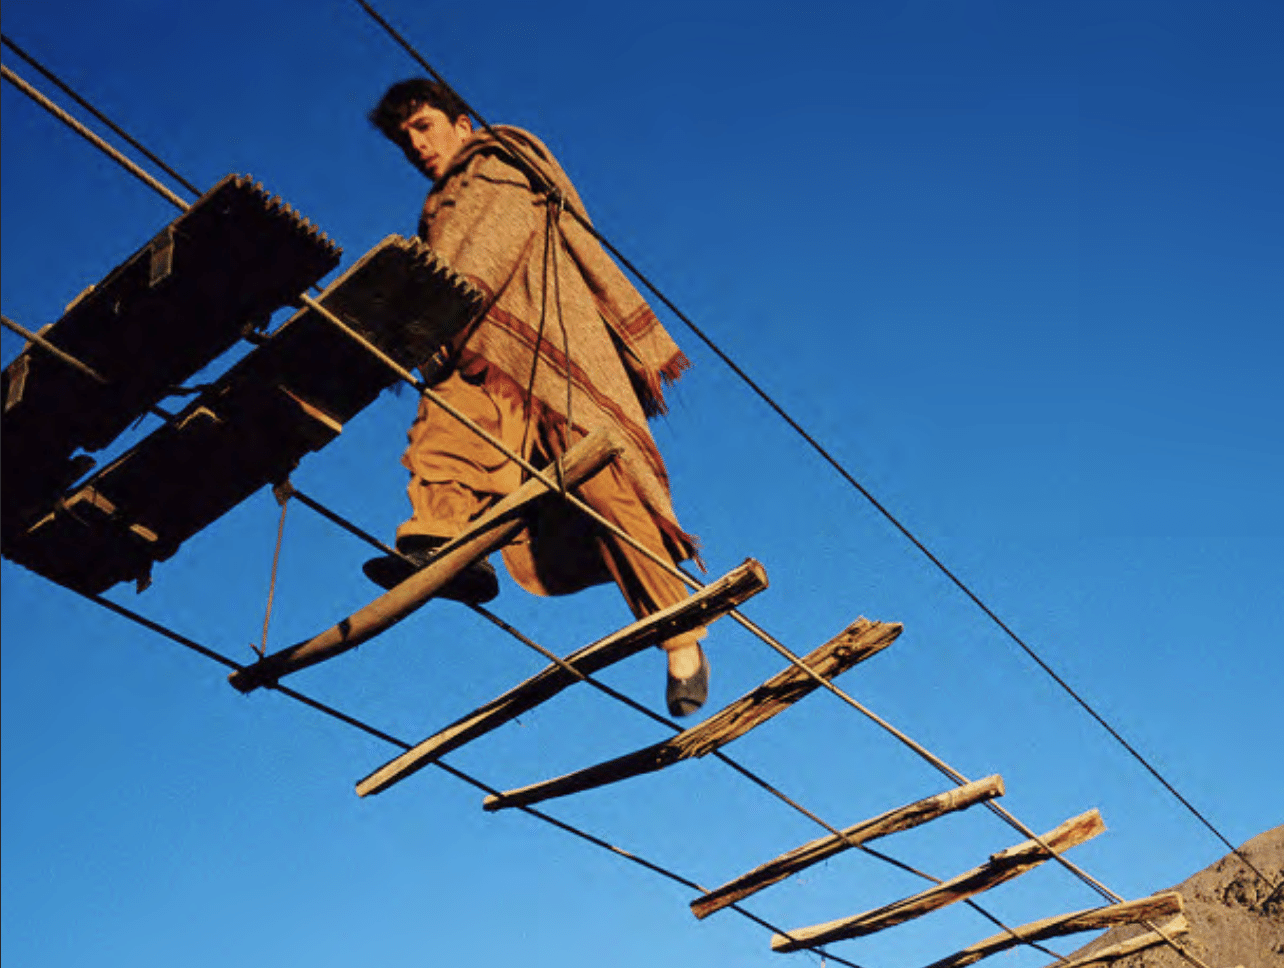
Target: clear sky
<point x="1018" y="265"/>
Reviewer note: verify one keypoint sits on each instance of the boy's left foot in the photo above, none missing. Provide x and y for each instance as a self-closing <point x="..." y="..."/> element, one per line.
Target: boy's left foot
<point x="686" y="693"/>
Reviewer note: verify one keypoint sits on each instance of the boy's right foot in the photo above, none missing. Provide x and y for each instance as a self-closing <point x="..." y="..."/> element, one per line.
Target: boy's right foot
<point x="475" y="585"/>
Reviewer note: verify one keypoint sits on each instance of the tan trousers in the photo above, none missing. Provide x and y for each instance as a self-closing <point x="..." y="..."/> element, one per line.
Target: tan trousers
<point x="455" y="476"/>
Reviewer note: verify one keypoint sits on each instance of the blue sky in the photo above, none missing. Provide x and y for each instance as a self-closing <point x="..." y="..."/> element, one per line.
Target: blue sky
<point x="1017" y="265"/>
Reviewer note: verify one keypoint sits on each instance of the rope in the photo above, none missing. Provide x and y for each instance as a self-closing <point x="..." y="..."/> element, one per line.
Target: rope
<point x="88" y="135"/>
<point x="48" y="347"/>
<point x="477" y="784"/>
<point x="761" y="634"/>
<point x="99" y="115"/>
<point x="525" y="162"/>
<point x="282" y="494"/>
<point x="638" y="707"/>
<point x="1002" y="812"/>
<point x="40" y="342"/>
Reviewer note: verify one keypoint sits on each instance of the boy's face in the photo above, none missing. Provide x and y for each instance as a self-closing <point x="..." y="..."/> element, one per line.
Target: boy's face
<point x="432" y="139"/>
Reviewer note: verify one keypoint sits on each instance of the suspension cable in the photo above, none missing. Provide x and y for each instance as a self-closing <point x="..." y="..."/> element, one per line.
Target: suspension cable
<point x="459" y="774"/>
<point x="520" y="157"/>
<point x="422" y="388"/>
<point x="50" y="75"/>
<point x="98" y="142"/>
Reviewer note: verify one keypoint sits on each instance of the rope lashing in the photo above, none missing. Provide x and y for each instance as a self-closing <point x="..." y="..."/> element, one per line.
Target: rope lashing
<point x="282" y="492"/>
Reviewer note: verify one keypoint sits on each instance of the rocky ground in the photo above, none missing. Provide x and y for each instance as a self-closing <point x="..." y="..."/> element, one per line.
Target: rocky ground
<point x="1234" y="918"/>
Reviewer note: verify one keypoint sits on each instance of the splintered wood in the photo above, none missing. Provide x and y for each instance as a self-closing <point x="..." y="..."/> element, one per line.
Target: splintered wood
<point x="1128" y="912"/>
<point x="1172" y="928"/>
<point x="1000" y="868"/>
<point x="854" y="644"/>
<point x="709" y="603"/>
<point x="496" y="527"/>
<point x="893" y="821"/>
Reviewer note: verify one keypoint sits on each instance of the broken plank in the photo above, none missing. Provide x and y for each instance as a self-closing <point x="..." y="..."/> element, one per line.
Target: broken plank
<point x="1001" y="867"/>
<point x="701" y="608"/>
<point x="893" y="821"/>
<point x="1172" y="928"/>
<point x="857" y="642"/>
<point x="495" y="528"/>
<point x="1162" y="905"/>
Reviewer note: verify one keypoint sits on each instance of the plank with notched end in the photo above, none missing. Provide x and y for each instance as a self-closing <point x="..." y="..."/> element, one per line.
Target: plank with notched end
<point x="893" y="821"/>
<point x="496" y="527"/>
<point x="857" y="642"/>
<point x="1162" y="905"/>
<point x="1001" y="867"/>
<point x="1173" y="928"/>
<point x="703" y="607"/>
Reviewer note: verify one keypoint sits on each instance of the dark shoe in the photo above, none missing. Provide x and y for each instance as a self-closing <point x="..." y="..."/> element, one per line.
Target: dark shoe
<point x="686" y="696"/>
<point x="475" y="585"/>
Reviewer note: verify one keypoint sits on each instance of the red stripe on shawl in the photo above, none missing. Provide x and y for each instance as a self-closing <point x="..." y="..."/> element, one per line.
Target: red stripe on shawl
<point x="638" y="322"/>
<point x="528" y="335"/>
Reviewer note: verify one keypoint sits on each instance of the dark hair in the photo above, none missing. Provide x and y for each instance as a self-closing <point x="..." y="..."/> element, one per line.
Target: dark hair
<point x="406" y="97"/>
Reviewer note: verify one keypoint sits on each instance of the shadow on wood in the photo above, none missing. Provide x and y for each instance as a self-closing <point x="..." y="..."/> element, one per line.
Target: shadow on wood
<point x="1128" y="912"/>
<point x="497" y="527"/>
<point x="1173" y="928"/>
<point x="857" y="642"/>
<point x="703" y="607"/>
<point x="1000" y="868"/>
<point x="893" y="821"/>
<point x="217" y="271"/>
<point x="287" y="398"/>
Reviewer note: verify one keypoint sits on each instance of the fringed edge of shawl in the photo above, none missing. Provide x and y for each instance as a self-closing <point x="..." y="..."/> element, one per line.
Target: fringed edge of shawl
<point x="653" y="403"/>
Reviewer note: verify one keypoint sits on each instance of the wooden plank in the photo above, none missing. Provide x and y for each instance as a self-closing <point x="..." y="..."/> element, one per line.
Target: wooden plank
<point x="1150" y="908"/>
<point x="218" y="270"/>
<point x="700" y="609"/>
<point x="252" y="426"/>
<point x="857" y="642"/>
<point x="495" y="528"/>
<point x="85" y="532"/>
<point x="1173" y="928"/>
<point x="893" y="821"/>
<point x="1001" y="867"/>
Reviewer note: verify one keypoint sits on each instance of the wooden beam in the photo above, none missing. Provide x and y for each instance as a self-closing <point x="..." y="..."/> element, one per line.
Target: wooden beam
<point x="857" y="642"/>
<point x="495" y="528"/>
<point x="709" y="603"/>
<point x="1001" y="867"/>
<point x="169" y="310"/>
<point x="1156" y="906"/>
<point x="1173" y="928"/>
<point x="893" y="821"/>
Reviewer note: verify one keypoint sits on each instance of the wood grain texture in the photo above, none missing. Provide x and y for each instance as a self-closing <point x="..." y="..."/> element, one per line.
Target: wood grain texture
<point x="1173" y="928"/>
<point x="893" y="821"/>
<point x="1001" y="867"/>
<point x="857" y="642"/>
<point x="705" y="606"/>
<point x="493" y="529"/>
<point x="1156" y="906"/>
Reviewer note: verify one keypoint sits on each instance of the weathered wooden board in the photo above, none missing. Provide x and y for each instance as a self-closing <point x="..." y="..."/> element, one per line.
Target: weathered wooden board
<point x="857" y="642"/>
<point x="495" y="528"/>
<point x="1173" y="928"/>
<point x="1000" y="868"/>
<point x="220" y="269"/>
<point x="893" y="821"/>
<point x="703" y="607"/>
<point x="250" y="428"/>
<point x="1150" y="908"/>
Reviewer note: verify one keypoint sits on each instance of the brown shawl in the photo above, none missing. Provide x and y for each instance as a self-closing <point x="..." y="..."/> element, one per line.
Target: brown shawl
<point x="559" y="309"/>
